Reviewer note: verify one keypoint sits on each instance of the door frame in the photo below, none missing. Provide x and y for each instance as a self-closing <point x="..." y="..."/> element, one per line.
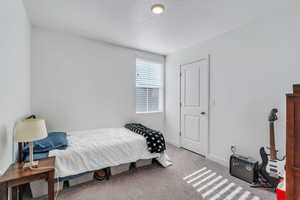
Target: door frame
<point x="206" y="143"/>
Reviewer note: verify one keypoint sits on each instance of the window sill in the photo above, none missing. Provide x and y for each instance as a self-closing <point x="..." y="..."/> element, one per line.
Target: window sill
<point x="153" y="112"/>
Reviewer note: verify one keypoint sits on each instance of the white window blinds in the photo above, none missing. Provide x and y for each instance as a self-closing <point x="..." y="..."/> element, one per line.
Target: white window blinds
<point x="148" y="86"/>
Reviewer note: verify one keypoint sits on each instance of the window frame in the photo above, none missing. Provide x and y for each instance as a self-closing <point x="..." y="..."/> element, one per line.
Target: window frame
<point x="161" y="87"/>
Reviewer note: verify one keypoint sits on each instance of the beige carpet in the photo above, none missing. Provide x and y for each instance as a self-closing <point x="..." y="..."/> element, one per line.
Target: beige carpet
<point x="190" y="178"/>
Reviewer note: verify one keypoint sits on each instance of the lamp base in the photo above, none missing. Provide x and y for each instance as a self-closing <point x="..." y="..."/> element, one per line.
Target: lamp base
<point x="33" y="164"/>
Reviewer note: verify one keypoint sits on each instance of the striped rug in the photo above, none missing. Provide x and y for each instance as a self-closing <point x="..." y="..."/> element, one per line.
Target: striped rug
<point x="213" y="186"/>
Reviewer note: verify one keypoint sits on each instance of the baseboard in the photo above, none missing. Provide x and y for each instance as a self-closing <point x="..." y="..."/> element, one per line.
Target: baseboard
<point x="211" y="157"/>
<point x="219" y="160"/>
<point x="173" y="143"/>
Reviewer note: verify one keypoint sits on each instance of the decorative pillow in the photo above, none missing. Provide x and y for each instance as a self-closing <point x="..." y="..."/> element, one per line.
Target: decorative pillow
<point x="55" y="140"/>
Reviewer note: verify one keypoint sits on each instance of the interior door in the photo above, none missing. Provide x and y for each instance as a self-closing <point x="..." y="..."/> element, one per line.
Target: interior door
<point x="194" y="106"/>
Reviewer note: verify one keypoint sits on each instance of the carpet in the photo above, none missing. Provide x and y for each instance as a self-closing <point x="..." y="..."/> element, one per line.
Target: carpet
<point x="191" y="177"/>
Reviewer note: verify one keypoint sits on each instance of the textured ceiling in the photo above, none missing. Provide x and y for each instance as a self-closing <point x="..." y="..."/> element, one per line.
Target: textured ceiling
<point x="130" y="22"/>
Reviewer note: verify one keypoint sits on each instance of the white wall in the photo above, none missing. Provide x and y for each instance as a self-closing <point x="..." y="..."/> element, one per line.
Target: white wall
<point x="14" y="73"/>
<point x="252" y="68"/>
<point x="79" y="83"/>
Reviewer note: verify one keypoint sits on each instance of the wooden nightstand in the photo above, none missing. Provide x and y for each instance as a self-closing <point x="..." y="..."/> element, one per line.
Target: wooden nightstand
<point x="16" y="176"/>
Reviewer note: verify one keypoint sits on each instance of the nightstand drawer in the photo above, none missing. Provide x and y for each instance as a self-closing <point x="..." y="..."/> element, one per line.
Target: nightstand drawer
<point x="25" y="180"/>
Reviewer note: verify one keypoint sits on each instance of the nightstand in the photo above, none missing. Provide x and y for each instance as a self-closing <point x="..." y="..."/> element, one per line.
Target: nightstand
<point x="16" y="176"/>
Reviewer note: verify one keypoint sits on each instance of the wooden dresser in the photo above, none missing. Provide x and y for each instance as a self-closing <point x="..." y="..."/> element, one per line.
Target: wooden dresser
<point x="293" y="147"/>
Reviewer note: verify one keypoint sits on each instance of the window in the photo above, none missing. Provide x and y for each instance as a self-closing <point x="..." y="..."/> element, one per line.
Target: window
<point x="149" y="90"/>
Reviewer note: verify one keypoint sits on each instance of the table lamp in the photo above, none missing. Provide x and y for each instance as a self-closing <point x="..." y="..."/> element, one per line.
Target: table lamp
<point x="31" y="130"/>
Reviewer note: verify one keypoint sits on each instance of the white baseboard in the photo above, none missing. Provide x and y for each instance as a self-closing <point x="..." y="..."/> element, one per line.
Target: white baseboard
<point x="172" y="143"/>
<point x="211" y="157"/>
<point x="219" y="160"/>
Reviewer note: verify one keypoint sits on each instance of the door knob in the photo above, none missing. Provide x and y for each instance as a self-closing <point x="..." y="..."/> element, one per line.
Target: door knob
<point x="203" y="113"/>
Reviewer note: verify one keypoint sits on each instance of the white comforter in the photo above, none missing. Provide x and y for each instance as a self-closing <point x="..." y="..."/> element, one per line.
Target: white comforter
<point x="97" y="149"/>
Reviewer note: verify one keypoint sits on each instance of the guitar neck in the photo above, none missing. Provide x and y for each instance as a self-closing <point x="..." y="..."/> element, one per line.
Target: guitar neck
<point x="273" y="151"/>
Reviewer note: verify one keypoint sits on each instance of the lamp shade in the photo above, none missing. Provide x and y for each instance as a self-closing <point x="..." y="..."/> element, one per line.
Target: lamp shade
<point x="30" y="130"/>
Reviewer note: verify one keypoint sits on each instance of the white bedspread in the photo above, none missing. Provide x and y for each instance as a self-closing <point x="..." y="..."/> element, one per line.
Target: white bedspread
<point x="97" y="149"/>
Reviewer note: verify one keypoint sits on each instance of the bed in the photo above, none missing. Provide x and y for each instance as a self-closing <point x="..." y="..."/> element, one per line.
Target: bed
<point x="97" y="149"/>
<point x="91" y="150"/>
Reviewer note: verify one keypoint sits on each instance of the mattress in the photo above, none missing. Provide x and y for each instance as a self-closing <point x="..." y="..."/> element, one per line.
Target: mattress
<point x="97" y="149"/>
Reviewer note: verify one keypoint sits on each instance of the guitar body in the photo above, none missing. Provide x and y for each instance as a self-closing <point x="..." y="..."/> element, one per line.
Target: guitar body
<point x="269" y="180"/>
<point x="276" y="168"/>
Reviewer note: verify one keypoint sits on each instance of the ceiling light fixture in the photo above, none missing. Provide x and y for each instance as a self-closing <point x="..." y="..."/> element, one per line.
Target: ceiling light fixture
<point x="157" y="9"/>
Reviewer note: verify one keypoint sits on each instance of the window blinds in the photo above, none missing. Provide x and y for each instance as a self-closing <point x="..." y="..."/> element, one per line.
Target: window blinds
<point x="148" y="86"/>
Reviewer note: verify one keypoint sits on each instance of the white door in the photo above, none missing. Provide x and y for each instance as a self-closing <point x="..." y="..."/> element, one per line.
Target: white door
<point x="194" y="106"/>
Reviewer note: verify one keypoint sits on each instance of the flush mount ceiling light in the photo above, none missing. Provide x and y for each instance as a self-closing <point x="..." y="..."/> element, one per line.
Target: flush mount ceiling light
<point x="157" y="9"/>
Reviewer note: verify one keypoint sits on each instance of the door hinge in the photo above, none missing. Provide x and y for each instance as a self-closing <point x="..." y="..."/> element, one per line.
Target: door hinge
<point x="180" y="133"/>
<point x="180" y="73"/>
<point x="180" y="104"/>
